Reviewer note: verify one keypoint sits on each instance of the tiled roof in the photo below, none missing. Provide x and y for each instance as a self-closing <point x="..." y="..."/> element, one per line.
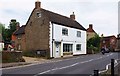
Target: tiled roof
<point x="62" y="20"/>
<point x="57" y="19"/>
<point x="21" y="30"/>
<point x="108" y="37"/>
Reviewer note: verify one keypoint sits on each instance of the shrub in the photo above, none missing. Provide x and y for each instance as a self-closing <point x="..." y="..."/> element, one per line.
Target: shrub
<point x="93" y="44"/>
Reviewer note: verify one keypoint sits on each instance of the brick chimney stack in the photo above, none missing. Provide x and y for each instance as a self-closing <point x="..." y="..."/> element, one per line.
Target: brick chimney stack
<point x="37" y="4"/>
<point x="91" y="26"/>
<point x="72" y="16"/>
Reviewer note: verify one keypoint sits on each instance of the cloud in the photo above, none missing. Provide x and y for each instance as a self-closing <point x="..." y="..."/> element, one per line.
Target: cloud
<point x="102" y="14"/>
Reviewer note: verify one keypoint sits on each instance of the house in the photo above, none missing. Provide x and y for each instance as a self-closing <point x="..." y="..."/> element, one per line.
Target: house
<point x="19" y="38"/>
<point x="90" y="32"/>
<point x="13" y="37"/>
<point x="118" y="43"/>
<point x="55" y="34"/>
<point x="108" y="42"/>
<point x="1" y="43"/>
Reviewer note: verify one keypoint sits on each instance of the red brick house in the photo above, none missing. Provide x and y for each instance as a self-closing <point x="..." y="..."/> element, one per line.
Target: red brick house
<point x="90" y="32"/>
<point x="109" y="42"/>
<point x="118" y="43"/>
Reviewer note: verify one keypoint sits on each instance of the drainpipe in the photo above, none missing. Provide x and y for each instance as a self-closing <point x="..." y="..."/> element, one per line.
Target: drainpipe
<point x="52" y="38"/>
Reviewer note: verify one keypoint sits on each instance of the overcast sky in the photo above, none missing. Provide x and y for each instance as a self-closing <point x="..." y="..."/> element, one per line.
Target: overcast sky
<point x="103" y="14"/>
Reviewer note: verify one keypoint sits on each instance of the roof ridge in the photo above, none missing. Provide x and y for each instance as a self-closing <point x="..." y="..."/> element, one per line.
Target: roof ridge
<point x="57" y="14"/>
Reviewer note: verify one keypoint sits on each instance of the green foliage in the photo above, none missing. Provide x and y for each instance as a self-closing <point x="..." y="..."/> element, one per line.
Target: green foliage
<point x="94" y="43"/>
<point x="7" y="32"/>
<point x="2" y="29"/>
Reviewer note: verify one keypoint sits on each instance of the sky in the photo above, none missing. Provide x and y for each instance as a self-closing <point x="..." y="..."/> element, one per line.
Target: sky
<point x="103" y="14"/>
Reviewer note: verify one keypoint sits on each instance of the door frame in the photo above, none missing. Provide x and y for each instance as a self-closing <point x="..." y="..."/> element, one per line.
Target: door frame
<point x="59" y="52"/>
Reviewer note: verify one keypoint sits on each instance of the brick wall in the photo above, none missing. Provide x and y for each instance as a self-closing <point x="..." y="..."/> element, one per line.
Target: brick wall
<point x="90" y="35"/>
<point x="20" y="42"/>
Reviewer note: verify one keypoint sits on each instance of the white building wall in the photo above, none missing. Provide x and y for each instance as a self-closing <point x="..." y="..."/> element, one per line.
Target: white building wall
<point x="71" y="38"/>
<point x="1" y="46"/>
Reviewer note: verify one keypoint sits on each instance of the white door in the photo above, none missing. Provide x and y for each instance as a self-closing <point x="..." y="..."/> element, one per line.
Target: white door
<point x="57" y="50"/>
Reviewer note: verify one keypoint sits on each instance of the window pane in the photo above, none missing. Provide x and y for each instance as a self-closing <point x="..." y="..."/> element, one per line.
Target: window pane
<point x="64" y="31"/>
<point x="67" y="47"/>
<point x="78" y="47"/>
<point x="78" y="34"/>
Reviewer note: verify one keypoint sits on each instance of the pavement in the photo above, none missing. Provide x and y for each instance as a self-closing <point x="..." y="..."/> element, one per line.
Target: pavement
<point x="117" y="69"/>
<point x="32" y="60"/>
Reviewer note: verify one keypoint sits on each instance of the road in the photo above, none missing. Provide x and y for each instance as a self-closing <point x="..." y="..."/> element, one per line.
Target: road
<point x="83" y="65"/>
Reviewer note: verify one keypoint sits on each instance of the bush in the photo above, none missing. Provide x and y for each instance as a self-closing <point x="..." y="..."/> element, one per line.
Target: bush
<point x="93" y="45"/>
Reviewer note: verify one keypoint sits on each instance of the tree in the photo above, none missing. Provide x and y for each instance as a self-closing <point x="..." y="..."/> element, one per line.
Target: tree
<point x="7" y="32"/>
<point x="2" y="30"/>
<point x="11" y="28"/>
<point x="94" y="43"/>
<point x="13" y="24"/>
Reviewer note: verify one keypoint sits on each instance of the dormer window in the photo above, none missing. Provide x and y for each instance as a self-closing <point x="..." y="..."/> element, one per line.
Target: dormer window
<point x="65" y="31"/>
<point x="38" y="14"/>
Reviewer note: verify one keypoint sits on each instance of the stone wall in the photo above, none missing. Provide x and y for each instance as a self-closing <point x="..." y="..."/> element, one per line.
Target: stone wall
<point x="14" y="56"/>
<point x="37" y="32"/>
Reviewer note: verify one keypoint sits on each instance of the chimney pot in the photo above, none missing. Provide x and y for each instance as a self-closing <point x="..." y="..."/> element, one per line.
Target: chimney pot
<point x="72" y="16"/>
<point x="91" y="26"/>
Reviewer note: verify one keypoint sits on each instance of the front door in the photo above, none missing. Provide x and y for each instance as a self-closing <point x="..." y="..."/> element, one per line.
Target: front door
<point x="57" y="50"/>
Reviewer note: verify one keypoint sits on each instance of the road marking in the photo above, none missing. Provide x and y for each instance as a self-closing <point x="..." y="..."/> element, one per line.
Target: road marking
<point x="107" y="66"/>
<point x="56" y="69"/>
<point x="91" y="59"/>
<point x="65" y="67"/>
<point x="59" y="61"/>
<point x="31" y="64"/>
<point x="43" y="72"/>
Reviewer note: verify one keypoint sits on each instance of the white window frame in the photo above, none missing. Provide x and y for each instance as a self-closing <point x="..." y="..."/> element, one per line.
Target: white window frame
<point x="67" y="47"/>
<point x="78" y="33"/>
<point x="64" y="31"/>
<point x="78" y="48"/>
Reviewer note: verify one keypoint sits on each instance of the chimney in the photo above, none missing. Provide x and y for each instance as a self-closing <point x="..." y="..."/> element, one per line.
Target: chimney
<point x="91" y="26"/>
<point x="102" y="35"/>
<point x="72" y="16"/>
<point x="37" y="4"/>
